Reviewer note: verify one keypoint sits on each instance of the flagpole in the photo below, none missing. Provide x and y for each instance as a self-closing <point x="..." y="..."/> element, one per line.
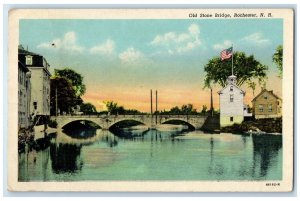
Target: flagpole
<point x="232" y="61"/>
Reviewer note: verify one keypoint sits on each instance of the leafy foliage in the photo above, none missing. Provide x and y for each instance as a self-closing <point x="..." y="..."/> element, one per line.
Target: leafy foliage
<point x="252" y="85"/>
<point x="183" y="110"/>
<point x="204" y="109"/>
<point x="246" y="68"/>
<point x="75" y="78"/>
<point x="114" y="108"/>
<point x="188" y="109"/>
<point x="87" y="108"/>
<point x="277" y="59"/>
<point x="66" y="95"/>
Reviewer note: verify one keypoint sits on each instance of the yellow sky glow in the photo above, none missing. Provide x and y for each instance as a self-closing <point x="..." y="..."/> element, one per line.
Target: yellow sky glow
<point x="168" y="97"/>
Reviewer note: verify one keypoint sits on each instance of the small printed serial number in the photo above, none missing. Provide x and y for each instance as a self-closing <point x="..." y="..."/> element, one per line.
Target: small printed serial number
<point x="272" y="184"/>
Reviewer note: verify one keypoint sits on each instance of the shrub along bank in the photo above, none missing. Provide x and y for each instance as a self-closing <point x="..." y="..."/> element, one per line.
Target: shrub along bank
<point x="272" y="125"/>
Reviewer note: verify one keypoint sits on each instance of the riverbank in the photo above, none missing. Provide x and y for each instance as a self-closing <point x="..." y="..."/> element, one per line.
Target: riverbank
<point x="267" y="126"/>
<point x="31" y="138"/>
<point x="25" y="136"/>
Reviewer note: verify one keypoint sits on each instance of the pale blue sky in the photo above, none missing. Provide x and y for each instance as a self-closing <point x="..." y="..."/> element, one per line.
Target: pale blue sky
<point x="158" y="54"/>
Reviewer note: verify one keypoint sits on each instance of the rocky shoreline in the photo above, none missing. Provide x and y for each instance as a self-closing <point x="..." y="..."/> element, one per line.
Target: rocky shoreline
<point x="266" y="126"/>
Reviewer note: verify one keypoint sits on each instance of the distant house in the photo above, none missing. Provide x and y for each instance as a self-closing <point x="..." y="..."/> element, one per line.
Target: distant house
<point x="23" y="97"/>
<point x="231" y="103"/>
<point x="40" y="82"/>
<point x="267" y="105"/>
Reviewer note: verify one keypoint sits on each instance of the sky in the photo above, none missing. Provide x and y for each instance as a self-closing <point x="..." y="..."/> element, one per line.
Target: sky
<point x="121" y="60"/>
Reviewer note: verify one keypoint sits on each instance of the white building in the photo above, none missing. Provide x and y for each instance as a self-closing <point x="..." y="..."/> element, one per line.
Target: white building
<point x="23" y="97"/>
<point x="231" y="103"/>
<point x="40" y="82"/>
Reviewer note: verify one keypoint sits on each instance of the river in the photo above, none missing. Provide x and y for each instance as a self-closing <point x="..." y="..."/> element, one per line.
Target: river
<point x="164" y="154"/>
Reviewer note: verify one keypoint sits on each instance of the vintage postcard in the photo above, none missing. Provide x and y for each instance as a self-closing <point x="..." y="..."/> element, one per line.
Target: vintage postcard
<point x="152" y="100"/>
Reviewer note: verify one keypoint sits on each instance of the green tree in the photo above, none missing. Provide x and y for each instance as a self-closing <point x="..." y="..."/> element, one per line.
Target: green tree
<point x="66" y="95"/>
<point x="246" y="68"/>
<point x="114" y="108"/>
<point x="204" y="109"/>
<point x="133" y="112"/>
<point x="188" y="109"/>
<point x="87" y="108"/>
<point x="111" y="107"/>
<point x="175" y="110"/>
<point x="252" y="85"/>
<point x="277" y="59"/>
<point x="75" y="78"/>
<point x="121" y="110"/>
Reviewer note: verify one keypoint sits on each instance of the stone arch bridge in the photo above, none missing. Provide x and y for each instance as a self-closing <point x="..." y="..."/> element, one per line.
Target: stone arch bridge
<point x="151" y="121"/>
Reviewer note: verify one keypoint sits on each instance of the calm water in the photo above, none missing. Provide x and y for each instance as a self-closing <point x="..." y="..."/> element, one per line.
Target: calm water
<point x="152" y="155"/>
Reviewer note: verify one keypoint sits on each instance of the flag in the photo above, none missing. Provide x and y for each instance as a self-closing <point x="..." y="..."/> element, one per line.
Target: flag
<point x="226" y="54"/>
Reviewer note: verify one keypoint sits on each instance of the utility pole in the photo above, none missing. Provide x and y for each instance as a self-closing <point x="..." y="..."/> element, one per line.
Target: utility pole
<point x="56" y="101"/>
<point x="151" y="101"/>
<point x="211" y="103"/>
<point x="156" y="107"/>
<point x="232" y="61"/>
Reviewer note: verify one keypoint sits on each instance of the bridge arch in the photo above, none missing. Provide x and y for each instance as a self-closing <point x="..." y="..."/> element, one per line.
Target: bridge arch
<point x="105" y="122"/>
<point x="179" y="122"/>
<point x="68" y="123"/>
<point x="135" y="122"/>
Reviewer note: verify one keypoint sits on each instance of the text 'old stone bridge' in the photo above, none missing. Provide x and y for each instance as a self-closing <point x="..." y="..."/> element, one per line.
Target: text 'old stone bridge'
<point x="151" y="121"/>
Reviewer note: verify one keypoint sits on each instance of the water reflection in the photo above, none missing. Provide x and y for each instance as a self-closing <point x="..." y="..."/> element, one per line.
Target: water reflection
<point x="265" y="152"/>
<point x="239" y="160"/>
<point x="129" y="133"/>
<point x="65" y="158"/>
<point x="111" y="140"/>
<point x="33" y="164"/>
<point x="81" y="133"/>
<point x="133" y="153"/>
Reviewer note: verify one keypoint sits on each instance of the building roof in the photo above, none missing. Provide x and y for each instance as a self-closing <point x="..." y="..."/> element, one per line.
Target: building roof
<point x="219" y="92"/>
<point x="265" y="90"/>
<point x="26" y="52"/>
<point x="38" y="61"/>
<point x="22" y="66"/>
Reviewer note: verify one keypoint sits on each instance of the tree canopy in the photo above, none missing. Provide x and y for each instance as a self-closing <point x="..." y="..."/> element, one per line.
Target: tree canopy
<point x="66" y="95"/>
<point x="183" y="110"/>
<point x="87" y="108"/>
<point x="114" y="108"/>
<point x="75" y="78"/>
<point x="204" y="109"/>
<point x="277" y="59"/>
<point x="245" y="68"/>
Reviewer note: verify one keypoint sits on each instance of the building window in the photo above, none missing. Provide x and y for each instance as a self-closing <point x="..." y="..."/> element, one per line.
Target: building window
<point x="261" y="108"/>
<point x="231" y="119"/>
<point x="231" y="98"/>
<point x="270" y="108"/>
<point x="28" y="60"/>
<point x="265" y="96"/>
<point x="231" y="88"/>
<point x="35" y="105"/>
